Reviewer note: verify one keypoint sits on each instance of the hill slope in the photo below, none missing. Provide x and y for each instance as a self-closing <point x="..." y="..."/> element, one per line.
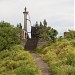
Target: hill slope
<point x="17" y="62"/>
<point x="60" y="56"/>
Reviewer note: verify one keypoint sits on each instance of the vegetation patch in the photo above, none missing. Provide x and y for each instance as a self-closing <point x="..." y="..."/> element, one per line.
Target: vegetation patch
<point x="17" y="62"/>
<point x="60" y="56"/>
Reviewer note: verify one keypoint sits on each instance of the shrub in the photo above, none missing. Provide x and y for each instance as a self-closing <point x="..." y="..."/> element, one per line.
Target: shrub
<point x="60" y="56"/>
<point x="17" y="62"/>
<point x="9" y="35"/>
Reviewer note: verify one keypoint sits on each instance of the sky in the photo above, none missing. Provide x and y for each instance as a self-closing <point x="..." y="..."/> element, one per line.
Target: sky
<point x="59" y="14"/>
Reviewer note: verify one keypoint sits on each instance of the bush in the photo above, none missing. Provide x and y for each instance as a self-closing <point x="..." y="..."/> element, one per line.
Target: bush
<point x="17" y="62"/>
<point x="60" y="56"/>
<point x="9" y="35"/>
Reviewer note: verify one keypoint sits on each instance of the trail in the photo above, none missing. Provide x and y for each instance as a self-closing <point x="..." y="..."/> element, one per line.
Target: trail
<point x="41" y="64"/>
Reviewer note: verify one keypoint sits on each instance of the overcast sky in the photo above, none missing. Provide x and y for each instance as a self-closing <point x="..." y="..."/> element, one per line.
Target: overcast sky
<point x="58" y="13"/>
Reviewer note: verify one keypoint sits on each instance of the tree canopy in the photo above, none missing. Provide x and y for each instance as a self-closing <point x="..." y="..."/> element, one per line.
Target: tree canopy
<point x="45" y="32"/>
<point x="70" y="35"/>
<point x="9" y="35"/>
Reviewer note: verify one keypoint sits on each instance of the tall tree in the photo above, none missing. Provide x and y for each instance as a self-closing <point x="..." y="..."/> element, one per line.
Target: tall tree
<point x="19" y="25"/>
<point x="36" y="25"/>
<point x="45" y="32"/>
<point x="9" y="35"/>
<point x="41" y="25"/>
<point x="45" y="23"/>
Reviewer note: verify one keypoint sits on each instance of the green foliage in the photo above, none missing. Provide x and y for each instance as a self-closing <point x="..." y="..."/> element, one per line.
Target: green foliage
<point x="70" y="35"/>
<point x="45" y="32"/>
<point x="9" y="35"/>
<point x="17" y="62"/>
<point x="19" y="25"/>
<point x="45" y="23"/>
<point x="41" y="25"/>
<point x="27" y="70"/>
<point x="60" y="56"/>
<point x="4" y="24"/>
<point x="36" y="24"/>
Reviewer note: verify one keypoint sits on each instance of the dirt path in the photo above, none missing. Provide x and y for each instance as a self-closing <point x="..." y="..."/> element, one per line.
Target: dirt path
<point x="41" y="64"/>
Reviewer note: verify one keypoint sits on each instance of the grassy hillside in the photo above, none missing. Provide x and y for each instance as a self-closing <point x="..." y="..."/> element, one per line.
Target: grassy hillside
<point x="60" y="56"/>
<point x="17" y="62"/>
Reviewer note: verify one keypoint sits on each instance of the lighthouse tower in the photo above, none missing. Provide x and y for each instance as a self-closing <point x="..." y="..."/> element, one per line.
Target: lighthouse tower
<point x="25" y="19"/>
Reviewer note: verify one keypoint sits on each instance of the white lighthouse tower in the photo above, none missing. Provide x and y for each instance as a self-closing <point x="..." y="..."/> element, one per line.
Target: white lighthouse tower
<point x="25" y="19"/>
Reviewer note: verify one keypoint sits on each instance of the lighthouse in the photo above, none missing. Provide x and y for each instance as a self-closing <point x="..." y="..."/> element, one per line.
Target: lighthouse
<point x="25" y="18"/>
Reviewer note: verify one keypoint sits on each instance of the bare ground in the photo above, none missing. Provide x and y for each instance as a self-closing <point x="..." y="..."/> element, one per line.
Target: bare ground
<point x="41" y="64"/>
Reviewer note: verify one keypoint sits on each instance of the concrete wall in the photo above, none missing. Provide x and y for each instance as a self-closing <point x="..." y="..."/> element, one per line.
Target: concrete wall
<point x="33" y="43"/>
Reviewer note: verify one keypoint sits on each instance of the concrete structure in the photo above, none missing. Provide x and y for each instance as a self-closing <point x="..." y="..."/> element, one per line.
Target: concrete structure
<point x="25" y="19"/>
<point x="33" y="42"/>
<point x="24" y="33"/>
